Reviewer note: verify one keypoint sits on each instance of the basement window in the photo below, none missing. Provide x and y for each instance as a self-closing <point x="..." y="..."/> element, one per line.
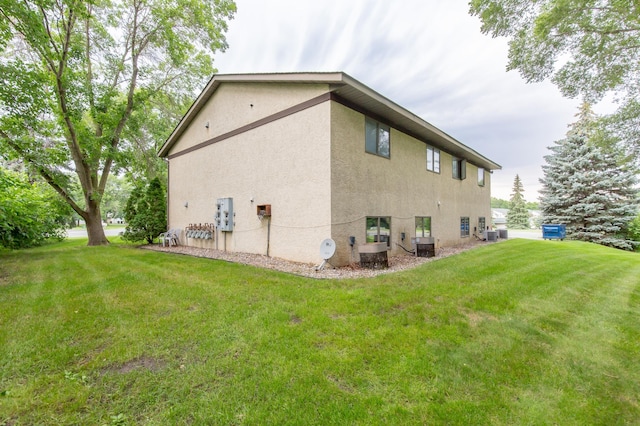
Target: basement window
<point x="379" y="229"/>
<point x="464" y="227"/>
<point x="377" y="138"/>
<point x="423" y="226"/>
<point x="482" y="224"/>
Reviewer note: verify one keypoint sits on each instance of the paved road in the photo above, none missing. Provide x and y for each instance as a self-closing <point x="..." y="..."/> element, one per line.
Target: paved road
<point x="82" y="233"/>
<point x="532" y="234"/>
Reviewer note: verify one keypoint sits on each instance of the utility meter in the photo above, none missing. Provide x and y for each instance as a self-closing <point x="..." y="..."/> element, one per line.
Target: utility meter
<point x="224" y="214"/>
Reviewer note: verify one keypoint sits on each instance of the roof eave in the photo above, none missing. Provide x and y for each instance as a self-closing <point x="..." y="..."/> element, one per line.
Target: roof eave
<point x="339" y="83"/>
<point x="431" y="134"/>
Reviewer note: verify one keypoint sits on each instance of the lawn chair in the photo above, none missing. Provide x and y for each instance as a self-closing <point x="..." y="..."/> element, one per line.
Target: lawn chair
<point x="170" y="238"/>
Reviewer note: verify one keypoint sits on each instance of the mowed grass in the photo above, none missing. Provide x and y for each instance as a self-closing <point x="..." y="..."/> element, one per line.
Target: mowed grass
<point x="519" y="332"/>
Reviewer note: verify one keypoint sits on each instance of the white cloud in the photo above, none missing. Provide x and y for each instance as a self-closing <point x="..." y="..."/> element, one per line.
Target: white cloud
<point x="426" y="55"/>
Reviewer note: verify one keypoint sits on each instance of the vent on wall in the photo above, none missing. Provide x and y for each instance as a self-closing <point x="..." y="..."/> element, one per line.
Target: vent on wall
<point x="264" y="210"/>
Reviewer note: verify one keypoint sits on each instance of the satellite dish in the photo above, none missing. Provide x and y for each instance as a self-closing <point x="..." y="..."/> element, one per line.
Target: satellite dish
<point x="327" y="250"/>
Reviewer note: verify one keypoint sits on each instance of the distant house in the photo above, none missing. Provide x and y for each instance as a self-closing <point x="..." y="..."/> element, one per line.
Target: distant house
<point x="276" y="163"/>
<point x="499" y="218"/>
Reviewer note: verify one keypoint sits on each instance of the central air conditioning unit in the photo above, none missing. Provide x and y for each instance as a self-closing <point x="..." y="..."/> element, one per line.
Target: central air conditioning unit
<point x="424" y="246"/>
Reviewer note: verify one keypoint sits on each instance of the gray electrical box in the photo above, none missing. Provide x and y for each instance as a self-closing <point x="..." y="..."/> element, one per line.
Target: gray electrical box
<point x="224" y="214"/>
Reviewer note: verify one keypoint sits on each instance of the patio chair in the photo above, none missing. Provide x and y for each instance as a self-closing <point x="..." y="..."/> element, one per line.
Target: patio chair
<point x="170" y="238"/>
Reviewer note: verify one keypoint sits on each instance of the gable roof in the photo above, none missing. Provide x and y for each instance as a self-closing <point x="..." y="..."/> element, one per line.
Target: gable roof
<point x="350" y="92"/>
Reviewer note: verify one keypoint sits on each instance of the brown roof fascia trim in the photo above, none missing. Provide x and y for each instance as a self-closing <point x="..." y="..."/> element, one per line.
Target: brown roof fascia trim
<point x="277" y="116"/>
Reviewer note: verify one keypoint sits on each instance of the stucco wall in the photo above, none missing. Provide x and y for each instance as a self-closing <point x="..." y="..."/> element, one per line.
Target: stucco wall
<point x="312" y="168"/>
<point x="284" y="163"/>
<point x="234" y="105"/>
<point x="364" y="184"/>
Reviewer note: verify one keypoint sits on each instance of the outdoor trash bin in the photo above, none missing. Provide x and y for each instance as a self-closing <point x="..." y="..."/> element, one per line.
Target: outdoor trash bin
<point x="554" y="232"/>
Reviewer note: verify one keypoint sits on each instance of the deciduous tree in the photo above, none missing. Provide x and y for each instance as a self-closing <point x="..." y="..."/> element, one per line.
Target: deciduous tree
<point x="588" y="48"/>
<point x="30" y="213"/>
<point x="73" y="73"/>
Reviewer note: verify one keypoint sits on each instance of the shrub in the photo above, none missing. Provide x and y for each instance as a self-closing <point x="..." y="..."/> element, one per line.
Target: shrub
<point x="30" y="213"/>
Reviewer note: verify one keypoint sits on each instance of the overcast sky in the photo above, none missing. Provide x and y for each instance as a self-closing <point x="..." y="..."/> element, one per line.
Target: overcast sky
<point x="425" y="55"/>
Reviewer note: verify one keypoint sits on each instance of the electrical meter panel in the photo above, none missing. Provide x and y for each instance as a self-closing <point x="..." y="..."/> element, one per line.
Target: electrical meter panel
<point x="224" y="214"/>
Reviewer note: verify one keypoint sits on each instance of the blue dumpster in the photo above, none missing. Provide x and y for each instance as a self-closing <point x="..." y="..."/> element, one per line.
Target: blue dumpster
<point x="554" y="232"/>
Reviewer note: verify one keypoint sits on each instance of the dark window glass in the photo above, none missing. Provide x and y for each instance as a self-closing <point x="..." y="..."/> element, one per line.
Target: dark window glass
<point x="459" y="168"/>
<point x="371" y="136"/>
<point x="377" y="138"/>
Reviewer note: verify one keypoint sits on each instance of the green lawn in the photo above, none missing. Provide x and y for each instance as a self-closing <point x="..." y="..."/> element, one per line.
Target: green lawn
<point x="520" y="332"/>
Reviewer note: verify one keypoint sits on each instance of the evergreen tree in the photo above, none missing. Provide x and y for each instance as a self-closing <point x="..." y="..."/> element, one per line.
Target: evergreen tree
<point x="586" y="189"/>
<point x="131" y="208"/>
<point x="146" y="213"/>
<point x="518" y="215"/>
<point x="633" y="233"/>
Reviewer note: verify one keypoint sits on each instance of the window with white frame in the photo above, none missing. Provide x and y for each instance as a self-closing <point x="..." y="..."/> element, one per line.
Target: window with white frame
<point x="480" y="176"/>
<point x="433" y="159"/>
<point x="377" y="138"/>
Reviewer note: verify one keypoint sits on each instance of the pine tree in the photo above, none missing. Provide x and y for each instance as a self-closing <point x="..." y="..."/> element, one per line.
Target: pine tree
<point x="586" y="189"/>
<point x="146" y="213"/>
<point x="518" y="215"/>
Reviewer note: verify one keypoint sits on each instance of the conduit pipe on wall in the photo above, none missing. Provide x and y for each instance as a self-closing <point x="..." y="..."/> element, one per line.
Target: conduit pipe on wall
<point x="268" y="233"/>
<point x="413" y="252"/>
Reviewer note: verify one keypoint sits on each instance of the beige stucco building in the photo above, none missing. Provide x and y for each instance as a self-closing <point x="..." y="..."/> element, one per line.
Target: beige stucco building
<point x="330" y="158"/>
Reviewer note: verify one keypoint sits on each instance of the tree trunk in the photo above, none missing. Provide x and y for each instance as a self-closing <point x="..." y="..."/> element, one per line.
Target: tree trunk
<point x="94" y="226"/>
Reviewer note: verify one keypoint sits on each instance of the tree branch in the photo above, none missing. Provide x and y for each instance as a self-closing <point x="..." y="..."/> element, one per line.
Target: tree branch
<point x="26" y="33"/>
<point x="82" y="167"/>
<point x="115" y="139"/>
<point x="46" y="175"/>
<point x="68" y="26"/>
<point x="47" y="28"/>
<point x="87" y="29"/>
